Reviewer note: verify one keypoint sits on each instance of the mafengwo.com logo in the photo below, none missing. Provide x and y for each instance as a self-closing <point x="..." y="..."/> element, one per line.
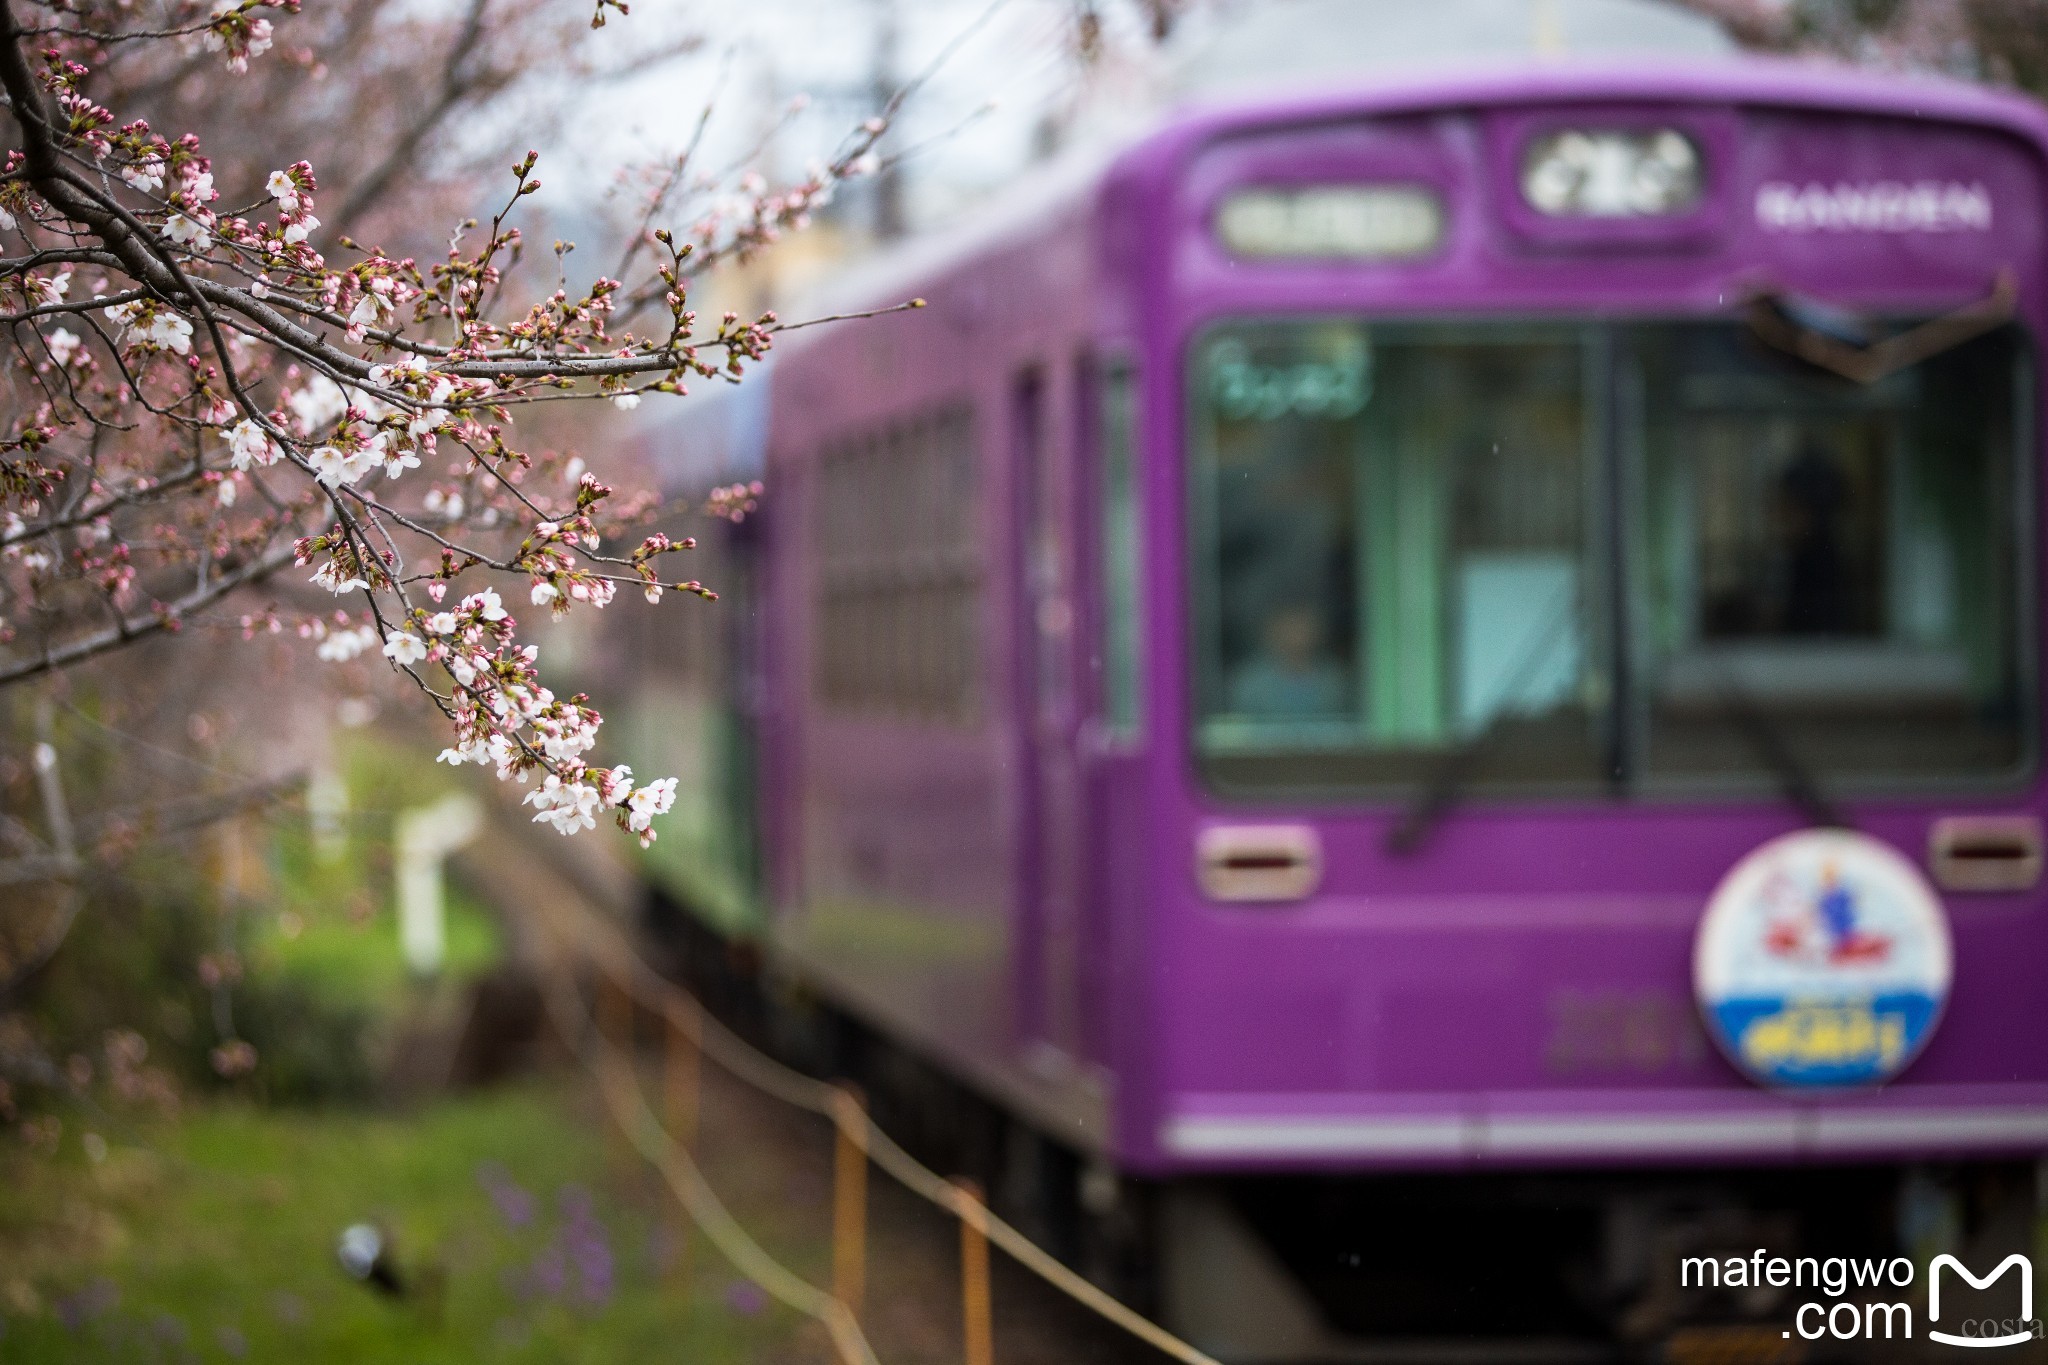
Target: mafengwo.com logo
<point x="1852" y="1298"/>
<point x="1998" y="1332"/>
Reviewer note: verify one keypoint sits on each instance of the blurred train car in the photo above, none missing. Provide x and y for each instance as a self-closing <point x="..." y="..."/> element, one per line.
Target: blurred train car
<point x="1430" y="690"/>
<point x="690" y="678"/>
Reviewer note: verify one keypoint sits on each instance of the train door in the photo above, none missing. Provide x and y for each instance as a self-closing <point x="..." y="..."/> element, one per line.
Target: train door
<point x="744" y="686"/>
<point x="1049" y="891"/>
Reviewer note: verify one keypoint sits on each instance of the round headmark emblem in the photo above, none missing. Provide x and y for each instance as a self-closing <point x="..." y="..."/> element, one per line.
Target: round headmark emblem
<point x="1823" y="959"/>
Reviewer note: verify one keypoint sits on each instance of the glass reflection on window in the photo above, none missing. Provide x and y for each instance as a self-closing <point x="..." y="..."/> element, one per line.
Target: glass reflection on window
<point x="1396" y="553"/>
<point x="1838" y="561"/>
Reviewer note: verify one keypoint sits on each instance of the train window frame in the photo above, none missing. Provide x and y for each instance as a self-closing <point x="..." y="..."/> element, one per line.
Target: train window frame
<point x="1119" y="564"/>
<point x="1622" y="468"/>
<point x="2026" y="526"/>
<point x="1202" y="606"/>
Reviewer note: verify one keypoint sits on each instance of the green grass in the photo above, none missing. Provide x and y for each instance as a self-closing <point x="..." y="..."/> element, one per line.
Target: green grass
<point x="357" y="958"/>
<point x="334" y="928"/>
<point x="212" y="1238"/>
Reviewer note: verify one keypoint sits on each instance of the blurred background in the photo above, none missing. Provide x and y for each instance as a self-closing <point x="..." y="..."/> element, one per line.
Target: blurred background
<point x="270" y="976"/>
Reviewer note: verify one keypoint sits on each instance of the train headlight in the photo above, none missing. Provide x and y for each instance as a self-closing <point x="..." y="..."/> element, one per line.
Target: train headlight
<point x="1611" y="173"/>
<point x="1332" y="222"/>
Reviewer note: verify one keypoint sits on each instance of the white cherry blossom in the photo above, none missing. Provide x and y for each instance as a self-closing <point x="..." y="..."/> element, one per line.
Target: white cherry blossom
<point x="187" y="232"/>
<point x="317" y="402"/>
<point x="152" y="326"/>
<point x="568" y="806"/>
<point x="329" y="577"/>
<point x="334" y="466"/>
<point x="644" y="803"/>
<point x="486" y="604"/>
<point x="145" y="175"/>
<point x="403" y="647"/>
<point x="318" y="375"/>
<point x="250" y="444"/>
<point x="343" y="645"/>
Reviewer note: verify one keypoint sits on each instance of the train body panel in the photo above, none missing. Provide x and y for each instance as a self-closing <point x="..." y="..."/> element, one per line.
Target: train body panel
<point x="891" y="750"/>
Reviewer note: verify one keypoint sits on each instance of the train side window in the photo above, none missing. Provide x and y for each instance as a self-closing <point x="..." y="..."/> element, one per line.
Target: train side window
<point x="1122" y="551"/>
<point x="899" y="574"/>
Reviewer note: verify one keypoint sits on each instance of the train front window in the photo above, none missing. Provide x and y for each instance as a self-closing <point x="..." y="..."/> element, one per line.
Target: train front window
<point x="1398" y="554"/>
<point x="1829" y="571"/>
<point x="1409" y="570"/>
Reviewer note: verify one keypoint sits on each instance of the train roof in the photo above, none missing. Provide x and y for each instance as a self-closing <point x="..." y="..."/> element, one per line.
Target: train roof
<point x="1058" y="188"/>
<point x="1783" y="82"/>
<point x="1291" y="45"/>
<point x="892" y="275"/>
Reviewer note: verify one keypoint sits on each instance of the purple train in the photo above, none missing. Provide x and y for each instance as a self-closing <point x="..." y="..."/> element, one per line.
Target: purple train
<point x="1433" y="697"/>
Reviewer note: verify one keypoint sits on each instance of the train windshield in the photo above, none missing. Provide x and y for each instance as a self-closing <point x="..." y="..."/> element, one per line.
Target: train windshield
<point x="1567" y="557"/>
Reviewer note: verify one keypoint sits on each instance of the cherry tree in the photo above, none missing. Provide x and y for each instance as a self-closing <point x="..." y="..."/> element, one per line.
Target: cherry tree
<point x="2003" y="41"/>
<point x="208" y="388"/>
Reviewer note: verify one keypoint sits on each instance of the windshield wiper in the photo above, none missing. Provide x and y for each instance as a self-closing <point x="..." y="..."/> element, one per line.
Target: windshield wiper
<point x="1797" y="781"/>
<point x="1445" y="788"/>
<point x="1818" y="336"/>
<point x="1446" y="785"/>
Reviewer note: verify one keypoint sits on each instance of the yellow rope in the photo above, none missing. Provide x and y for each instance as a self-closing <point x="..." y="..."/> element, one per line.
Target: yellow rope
<point x="621" y="1090"/>
<point x="626" y="969"/>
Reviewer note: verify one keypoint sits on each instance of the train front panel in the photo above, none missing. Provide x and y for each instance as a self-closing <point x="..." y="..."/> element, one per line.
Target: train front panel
<point x="1569" y="637"/>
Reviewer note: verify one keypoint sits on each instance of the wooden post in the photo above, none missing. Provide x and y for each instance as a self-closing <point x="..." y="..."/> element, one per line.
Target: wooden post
<point x="615" y="1015"/>
<point x="615" y="1033"/>
<point x="681" y="1079"/>
<point x="849" y="1200"/>
<point x="682" y="1074"/>
<point x="977" y="1317"/>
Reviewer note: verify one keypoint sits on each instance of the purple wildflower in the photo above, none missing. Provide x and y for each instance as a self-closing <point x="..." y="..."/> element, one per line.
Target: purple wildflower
<point x="587" y="1246"/>
<point x="514" y="1204"/>
<point x="548" y="1274"/>
<point x="97" y="1298"/>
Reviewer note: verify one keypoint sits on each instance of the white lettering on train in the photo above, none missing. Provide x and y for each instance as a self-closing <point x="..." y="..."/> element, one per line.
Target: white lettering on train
<point x="1879" y="206"/>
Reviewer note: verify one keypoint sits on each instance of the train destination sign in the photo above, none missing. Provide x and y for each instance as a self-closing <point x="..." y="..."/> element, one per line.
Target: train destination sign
<point x="1332" y="222"/>
<point x="1823" y="960"/>
<point x="1876" y="206"/>
<point x="1612" y="173"/>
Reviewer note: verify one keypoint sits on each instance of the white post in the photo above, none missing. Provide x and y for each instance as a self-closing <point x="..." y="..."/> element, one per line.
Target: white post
<point x="426" y="835"/>
<point x="327" y="811"/>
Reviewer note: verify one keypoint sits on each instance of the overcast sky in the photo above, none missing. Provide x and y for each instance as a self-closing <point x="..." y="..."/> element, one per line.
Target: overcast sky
<point x="758" y="56"/>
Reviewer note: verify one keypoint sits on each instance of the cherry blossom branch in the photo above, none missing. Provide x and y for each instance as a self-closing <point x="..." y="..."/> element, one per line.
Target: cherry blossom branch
<point x="161" y="617"/>
<point x="219" y="355"/>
